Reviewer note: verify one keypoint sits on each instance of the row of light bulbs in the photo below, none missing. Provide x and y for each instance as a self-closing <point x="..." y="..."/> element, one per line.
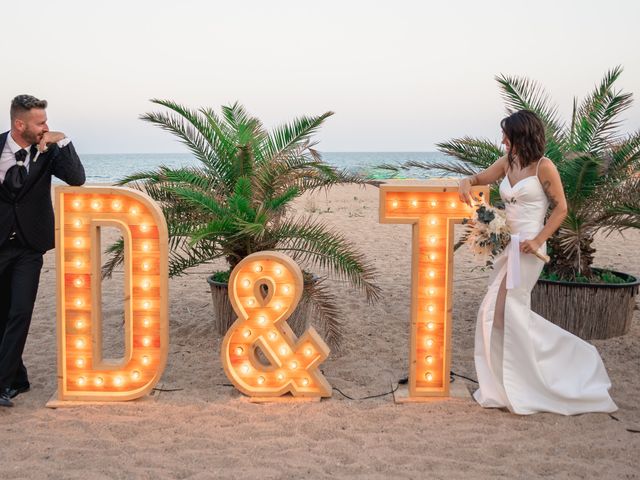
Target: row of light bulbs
<point x="414" y="203"/>
<point x="117" y="381"/>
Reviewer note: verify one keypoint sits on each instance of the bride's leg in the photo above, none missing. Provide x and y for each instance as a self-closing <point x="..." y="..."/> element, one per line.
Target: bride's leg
<point x="497" y="331"/>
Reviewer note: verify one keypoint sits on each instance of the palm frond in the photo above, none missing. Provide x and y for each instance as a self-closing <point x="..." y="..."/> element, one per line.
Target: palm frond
<point x="595" y="123"/>
<point x="315" y="243"/>
<point x="478" y="152"/>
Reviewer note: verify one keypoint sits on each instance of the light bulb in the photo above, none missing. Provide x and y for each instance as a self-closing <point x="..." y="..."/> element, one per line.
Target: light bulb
<point x="79" y="263"/>
<point x="429" y="359"/>
<point x="96" y="205"/>
<point x="76" y="204"/>
<point x="431" y="325"/>
<point x="250" y="302"/>
<point x="80" y="362"/>
<point x="277" y="306"/>
<point x="146" y="360"/>
<point x="308" y="351"/>
<point x="278" y="271"/>
<point x="146" y="322"/>
<point x="414" y="203"/>
<point x="432" y="257"/>
<point x="394" y="204"/>
<point x="116" y="205"/>
<point x="261" y="320"/>
<point x="146" y="247"/>
<point x="294" y="365"/>
<point x="245" y="369"/>
<point x="79" y="324"/>
<point x="273" y="335"/>
<point x="79" y="302"/>
<point x="239" y="351"/>
<point x="144" y="227"/>
<point x="246" y="333"/>
<point x="433" y="221"/>
<point x="117" y="381"/>
<point x="428" y="376"/>
<point x="260" y="380"/>
<point x="305" y="382"/>
<point x="78" y="282"/>
<point x="286" y="289"/>
<point x="431" y="308"/>
<point x="82" y="381"/>
<point x="135" y="375"/>
<point x="433" y="239"/>
<point x="429" y="342"/>
<point x="246" y="283"/>
<point x="78" y="243"/>
<point x="434" y="203"/>
<point x="80" y="343"/>
<point x="77" y="223"/>
<point x="134" y="210"/>
<point x="432" y="274"/>
<point x="283" y="350"/>
<point x="146" y="341"/>
<point x="146" y="284"/>
<point x="431" y="291"/>
<point x="99" y="381"/>
<point x="258" y="268"/>
<point x="146" y="304"/>
<point x="146" y="266"/>
<point x="280" y="376"/>
<point x="452" y="204"/>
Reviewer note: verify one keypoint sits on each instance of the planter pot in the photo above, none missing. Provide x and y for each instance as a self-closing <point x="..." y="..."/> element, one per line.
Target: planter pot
<point x="588" y="310"/>
<point x="224" y="316"/>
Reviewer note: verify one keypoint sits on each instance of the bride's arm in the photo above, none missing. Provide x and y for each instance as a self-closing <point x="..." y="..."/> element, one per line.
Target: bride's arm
<point x="552" y="186"/>
<point x="486" y="177"/>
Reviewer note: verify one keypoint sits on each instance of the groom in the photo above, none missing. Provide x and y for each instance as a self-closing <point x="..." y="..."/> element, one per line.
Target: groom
<point x="29" y="155"/>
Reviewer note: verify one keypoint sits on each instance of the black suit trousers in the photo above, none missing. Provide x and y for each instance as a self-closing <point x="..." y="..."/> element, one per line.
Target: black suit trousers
<point x="19" y="278"/>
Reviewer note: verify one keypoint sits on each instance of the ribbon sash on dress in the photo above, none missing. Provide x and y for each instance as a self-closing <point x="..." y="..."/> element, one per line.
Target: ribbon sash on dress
<point x="513" y="262"/>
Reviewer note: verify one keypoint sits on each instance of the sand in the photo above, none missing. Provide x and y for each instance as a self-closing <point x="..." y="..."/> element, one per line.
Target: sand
<point x="206" y="429"/>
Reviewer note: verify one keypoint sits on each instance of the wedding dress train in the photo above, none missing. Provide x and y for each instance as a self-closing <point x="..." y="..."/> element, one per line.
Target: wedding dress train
<point x="524" y="362"/>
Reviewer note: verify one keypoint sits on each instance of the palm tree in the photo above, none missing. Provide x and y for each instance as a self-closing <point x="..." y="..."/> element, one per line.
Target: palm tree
<point x="599" y="167"/>
<point x="237" y="201"/>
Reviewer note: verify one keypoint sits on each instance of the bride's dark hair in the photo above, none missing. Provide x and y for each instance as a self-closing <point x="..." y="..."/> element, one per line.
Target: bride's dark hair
<point x="525" y="132"/>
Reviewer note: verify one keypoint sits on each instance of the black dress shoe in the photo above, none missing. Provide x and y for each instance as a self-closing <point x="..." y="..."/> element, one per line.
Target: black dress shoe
<point x="5" y="399"/>
<point x="14" y="391"/>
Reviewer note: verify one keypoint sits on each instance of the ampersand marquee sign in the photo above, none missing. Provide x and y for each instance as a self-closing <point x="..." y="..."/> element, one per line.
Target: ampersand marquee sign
<point x="265" y="289"/>
<point x="433" y="208"/>
<point x="83" y="373"/>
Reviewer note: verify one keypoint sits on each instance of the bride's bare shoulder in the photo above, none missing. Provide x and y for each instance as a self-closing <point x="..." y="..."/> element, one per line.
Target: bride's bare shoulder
<point x="546" y="166"/>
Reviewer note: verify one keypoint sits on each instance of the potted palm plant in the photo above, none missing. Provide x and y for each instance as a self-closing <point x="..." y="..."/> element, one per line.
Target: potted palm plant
<point x="237" y="201"/>
<point x="600" y="171"/>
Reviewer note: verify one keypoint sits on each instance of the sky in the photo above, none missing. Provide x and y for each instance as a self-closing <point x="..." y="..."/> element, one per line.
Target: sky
<point x="400" y="76"/>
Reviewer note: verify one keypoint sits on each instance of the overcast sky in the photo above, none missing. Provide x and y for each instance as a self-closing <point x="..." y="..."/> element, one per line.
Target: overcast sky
<point x="400" y="76"/>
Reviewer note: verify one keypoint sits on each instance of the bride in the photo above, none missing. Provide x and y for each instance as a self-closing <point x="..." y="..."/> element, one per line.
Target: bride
<point x="524" y="362"/>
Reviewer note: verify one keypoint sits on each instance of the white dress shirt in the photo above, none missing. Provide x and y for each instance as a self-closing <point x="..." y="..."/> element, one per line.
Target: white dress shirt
<point x="8" y="155"/>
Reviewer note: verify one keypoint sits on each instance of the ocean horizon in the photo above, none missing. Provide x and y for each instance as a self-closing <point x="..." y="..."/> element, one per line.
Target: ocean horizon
<point x="110" y="168"/>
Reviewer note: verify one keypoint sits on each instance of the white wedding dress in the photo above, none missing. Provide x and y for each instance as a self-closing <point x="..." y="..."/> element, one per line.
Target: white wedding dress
<point x="524" y="362"/>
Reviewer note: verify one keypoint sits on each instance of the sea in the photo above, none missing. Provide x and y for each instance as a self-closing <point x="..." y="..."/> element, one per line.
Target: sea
<point x="110" y="168"/>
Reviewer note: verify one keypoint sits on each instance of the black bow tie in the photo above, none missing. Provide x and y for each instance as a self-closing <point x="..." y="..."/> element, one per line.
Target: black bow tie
<point x="16" y="175"/>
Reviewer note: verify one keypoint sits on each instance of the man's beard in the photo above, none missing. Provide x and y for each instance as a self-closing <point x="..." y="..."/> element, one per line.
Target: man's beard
<point x="31" y="137"/>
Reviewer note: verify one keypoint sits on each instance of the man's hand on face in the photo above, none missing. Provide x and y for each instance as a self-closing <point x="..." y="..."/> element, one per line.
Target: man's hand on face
<point x="49" y="137"/>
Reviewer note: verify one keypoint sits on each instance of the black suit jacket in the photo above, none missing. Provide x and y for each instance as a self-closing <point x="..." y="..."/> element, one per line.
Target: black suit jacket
<point x="31" y="209"/>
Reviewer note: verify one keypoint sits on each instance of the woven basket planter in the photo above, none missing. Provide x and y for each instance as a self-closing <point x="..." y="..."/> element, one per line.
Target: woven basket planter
<point x="224" y="316"/>
<point x="588" y="310"/>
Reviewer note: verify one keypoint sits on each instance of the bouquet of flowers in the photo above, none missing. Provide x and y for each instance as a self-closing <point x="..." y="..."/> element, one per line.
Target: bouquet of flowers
<point x="488" y="234"/>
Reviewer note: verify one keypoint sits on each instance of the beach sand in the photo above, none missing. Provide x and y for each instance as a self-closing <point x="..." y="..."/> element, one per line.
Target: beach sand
<point x="206" y="429"/>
